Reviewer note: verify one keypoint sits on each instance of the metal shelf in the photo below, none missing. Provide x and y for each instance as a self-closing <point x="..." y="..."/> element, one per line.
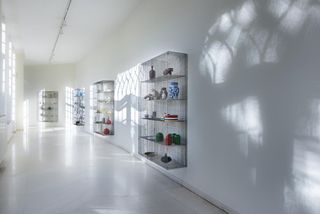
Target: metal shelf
<point x="108" y="91"/>
<point x="99" y="133"/>
<point x="157" y="160"/>
<point x="153" y="139"/>
<point x="163" y="78"/>
<point x="105" y="102"/>
<point x="101" y="123"/>
<point x="163" y="120"/>
<point x="166" y="100"/>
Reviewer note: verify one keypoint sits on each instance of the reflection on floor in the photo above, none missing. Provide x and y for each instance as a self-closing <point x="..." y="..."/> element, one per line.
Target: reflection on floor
<point x="56" y="171"/>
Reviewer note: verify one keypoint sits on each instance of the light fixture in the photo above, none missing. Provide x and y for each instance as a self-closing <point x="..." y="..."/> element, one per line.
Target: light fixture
<point x="60" y="32"/>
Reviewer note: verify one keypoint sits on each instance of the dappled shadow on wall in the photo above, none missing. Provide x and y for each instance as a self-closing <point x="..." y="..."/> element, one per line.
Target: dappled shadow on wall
<point x="126" y="103"/>
<point x="260" y="60"/>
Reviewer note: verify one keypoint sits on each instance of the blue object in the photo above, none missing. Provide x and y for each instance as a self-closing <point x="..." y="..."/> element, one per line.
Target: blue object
<point x="173" y="90"/>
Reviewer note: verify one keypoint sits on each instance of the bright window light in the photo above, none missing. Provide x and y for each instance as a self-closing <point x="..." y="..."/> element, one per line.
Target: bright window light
<point x="68" y="108"/>
<point x="3" y="75"/>
<point x="13" y="87"/>
<point x="3" y="38"/>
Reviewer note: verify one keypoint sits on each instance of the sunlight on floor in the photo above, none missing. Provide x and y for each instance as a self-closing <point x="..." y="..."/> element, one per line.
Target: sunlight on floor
<point x="80" y="173"/>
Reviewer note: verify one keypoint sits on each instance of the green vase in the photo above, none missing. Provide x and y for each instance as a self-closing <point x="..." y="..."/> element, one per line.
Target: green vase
<point x="176" y="139"/>
<point x="159" y="137"/>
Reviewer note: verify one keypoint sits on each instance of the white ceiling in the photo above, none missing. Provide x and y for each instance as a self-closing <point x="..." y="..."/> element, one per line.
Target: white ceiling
<point x="34" y="25"/>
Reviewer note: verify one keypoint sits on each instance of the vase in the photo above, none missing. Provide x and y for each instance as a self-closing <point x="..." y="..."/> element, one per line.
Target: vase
<point x="152" y="73"/>
<point x="159" y="137"/>
<point x="176" y="139"/>
<point x="166" y="158"/>
<point x="168" y="71"/>
<point x="168" y="140"/>
<point x="163" y="93"/>
<point x="106" y="131"/>
<point x="109" y="122"/>
<point x="174" y="90"/>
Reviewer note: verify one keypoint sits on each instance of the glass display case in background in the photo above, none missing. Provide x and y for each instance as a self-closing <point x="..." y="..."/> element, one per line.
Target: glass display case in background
<point x="103" y="107"/>
<point x="78" y="107"/>
<point x="48" y="106"/>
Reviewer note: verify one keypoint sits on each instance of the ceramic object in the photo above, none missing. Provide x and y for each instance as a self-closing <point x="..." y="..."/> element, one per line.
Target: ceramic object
<point x="99" y="87"/>
<point x="159" y="137"/>
<point x="166" y="158"/>
<point x="163" y="93"/>
<point x="152" y="73"/>
<point x="174" y="90"/>
<point x="106" y="131"/>
<point x="109" y="122"/>
<point x="150" y="154"/>
<point x="176" y="139"/>
<point x="168" y="140"/>
<point x="108" y="100"/>
<point x="154" y="114"/>
<point x="155" y="94"/>
<point x="148" y="97"/>
<point x="170" y="117"/>
<point x="106" y="87"/>
<point x="168" y="71"/>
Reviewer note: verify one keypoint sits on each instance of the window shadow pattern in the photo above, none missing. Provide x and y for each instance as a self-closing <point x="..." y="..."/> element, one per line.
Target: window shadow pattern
<point x="260" y="65"/>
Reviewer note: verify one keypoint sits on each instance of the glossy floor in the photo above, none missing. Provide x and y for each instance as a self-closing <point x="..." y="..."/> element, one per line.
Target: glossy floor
<point x="59" y="171"/>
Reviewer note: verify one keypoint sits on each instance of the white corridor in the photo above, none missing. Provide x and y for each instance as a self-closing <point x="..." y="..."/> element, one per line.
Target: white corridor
<point x="57" y="171"/>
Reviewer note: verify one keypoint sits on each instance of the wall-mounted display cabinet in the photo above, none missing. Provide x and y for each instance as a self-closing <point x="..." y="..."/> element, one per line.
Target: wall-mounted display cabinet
<point x="48" y="106"/>
<point x="163" y="110"/>
<point x="78" y="107"/>
<point x="103" y="107"/>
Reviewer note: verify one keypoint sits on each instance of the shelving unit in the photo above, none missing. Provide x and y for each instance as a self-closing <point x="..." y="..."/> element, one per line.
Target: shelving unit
<point x="163" y="120"/>
<point x="78" y="107"/>
<point x="163" y="78"/>
<point x="151" y="124"/>
<point x="48" y="106"/>
<point x="103" y="106"/>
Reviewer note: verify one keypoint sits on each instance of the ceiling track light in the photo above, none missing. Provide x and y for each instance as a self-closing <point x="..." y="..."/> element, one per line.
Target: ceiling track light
<point x="60" y="32"/>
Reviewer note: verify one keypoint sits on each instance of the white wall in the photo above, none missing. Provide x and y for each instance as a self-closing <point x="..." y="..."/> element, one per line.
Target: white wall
<point x="51" y="78"/>
<point x="254" y="95"/>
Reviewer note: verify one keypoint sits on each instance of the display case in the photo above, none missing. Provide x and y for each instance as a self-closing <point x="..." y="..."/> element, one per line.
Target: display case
<point x="48" y="106"/>
<point x="103" y="107"/>
<point x="163" y="110"/>
<point x="78" y="107"/>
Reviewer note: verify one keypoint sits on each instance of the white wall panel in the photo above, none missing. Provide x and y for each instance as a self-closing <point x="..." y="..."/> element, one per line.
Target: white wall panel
<point x="254" y="95"/>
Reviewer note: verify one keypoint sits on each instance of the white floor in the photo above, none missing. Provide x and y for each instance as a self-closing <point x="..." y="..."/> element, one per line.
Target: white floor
<point x="56" y="171"/>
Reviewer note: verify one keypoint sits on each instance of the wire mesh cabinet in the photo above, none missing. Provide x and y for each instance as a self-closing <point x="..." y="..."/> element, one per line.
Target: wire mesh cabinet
<point x="163" y="110"/>
<point x="48" y="106"/>
<point x="103" y="107"/>
<point x="78" y="106"/>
